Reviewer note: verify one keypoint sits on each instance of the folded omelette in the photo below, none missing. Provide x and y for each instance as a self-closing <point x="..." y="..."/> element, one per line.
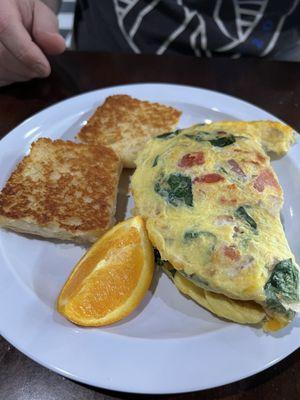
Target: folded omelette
<point x="211" y="202"/>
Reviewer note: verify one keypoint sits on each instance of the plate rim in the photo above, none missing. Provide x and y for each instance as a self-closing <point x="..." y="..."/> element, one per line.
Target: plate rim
<point x="139" y="84"/>
<point x="145" y="85"/>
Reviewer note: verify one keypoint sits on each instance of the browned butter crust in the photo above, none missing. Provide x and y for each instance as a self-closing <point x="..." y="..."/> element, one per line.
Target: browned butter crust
<point x="125" y="123"/>
<point x="62" y="190"/>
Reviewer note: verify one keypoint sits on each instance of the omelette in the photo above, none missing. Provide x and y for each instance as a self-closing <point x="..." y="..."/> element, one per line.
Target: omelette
<point x="212" y="204"/>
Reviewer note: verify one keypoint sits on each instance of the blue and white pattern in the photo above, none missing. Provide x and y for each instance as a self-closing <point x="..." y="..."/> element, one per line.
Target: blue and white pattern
<point x="66" y="19"/>
<point x="248" y="28"/>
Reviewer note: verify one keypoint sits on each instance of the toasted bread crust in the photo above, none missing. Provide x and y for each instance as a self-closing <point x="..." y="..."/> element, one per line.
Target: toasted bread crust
<point x="62" y="190"/>
<point x="125" y="124"/>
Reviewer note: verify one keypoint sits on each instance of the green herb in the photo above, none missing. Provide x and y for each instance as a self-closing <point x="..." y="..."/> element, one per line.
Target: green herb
<point x="155" y="161"/>
<point x="283" y="285"/>
<point x="205" y="243"/>
<point x="170" y="272"/>
<point x="218" y="141"/>
<point x="198" y="137"/>
<point x="169" y="135"/>
<point x="223" y="170"/>
<point x="245" y="242"/>
<point x="207" y="236"/>
<point x="223" y="141"/>
<point x="157" y="258"/>
<point x="191" y="235"/>
<point x="195" y="279"/>
<point x="176" y="189"/>
<point x="241" y="213"/>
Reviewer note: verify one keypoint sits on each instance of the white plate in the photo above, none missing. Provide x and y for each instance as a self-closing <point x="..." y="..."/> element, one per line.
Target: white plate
<point x="169" y="344"/>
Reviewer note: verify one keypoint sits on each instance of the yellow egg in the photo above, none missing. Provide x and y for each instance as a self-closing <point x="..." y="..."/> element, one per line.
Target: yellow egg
<point x="211" y="202"/>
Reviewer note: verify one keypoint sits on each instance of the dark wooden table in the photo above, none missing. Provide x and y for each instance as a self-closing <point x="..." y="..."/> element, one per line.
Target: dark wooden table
<point x="273" y="86"/>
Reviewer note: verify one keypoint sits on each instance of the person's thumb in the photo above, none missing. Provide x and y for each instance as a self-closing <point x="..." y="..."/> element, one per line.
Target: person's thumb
<point x="45" y="30"/>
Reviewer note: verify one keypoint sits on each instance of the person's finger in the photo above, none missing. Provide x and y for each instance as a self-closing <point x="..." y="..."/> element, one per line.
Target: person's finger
<point x="18" y="42"/>
<point x="45" y="30"/>
<point x="13" y="69"/>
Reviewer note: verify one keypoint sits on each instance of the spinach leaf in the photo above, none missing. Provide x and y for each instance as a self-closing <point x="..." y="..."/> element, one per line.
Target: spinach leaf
<point x="245" y="242"/>
<point x="283" y="285"/>
<point x="241" y="213"/>
<point x="198" y="137"/>
<point x="205" y="243"/>
<point x="191" y="235"/>
<point x="198" y="281"/>
<point x="161" y="263"/>
<point x="223" y="170"/>
<point x="176" y="189"/>
<point x="170" y="271"/>
<point x="154" y="164"/>
<point x="157" y="258"/>
<point x="223" y="141"/>
<point x="206" y="236"/>
<point x="217" y="142"/>
<point x="169" y="135"/>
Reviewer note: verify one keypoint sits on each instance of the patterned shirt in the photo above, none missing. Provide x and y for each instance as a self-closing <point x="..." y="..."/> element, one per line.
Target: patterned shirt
<point x="204" y="28"/>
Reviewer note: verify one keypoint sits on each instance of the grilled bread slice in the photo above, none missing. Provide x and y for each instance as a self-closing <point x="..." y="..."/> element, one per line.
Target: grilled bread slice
<point x="126" y="124"/>
<point x="62" y="190"/>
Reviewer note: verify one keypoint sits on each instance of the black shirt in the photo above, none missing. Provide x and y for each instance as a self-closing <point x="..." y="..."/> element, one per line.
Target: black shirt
<point x="204" y="28"/>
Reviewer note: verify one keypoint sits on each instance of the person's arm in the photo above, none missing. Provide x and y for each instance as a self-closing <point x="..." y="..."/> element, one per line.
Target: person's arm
<point x="28" y="33"/>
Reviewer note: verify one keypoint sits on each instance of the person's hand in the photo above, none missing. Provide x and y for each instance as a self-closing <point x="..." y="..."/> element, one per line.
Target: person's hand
<point x="28" y="33"/>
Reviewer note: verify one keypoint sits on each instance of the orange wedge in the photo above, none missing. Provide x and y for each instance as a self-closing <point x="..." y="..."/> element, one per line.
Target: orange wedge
<point x="111" y="279"/>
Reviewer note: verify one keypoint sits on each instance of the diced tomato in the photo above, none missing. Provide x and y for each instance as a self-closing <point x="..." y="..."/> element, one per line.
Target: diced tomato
<point x="265" y="178"/>
<point x="234" y="166"/>
<point x="191" y="159"/>
<point x="260" y="157"/>
<point x="232" y="253"/>
<point x="232" y="186"/>
<point x="223" y="200"/>
<point x="209" y="178"/>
